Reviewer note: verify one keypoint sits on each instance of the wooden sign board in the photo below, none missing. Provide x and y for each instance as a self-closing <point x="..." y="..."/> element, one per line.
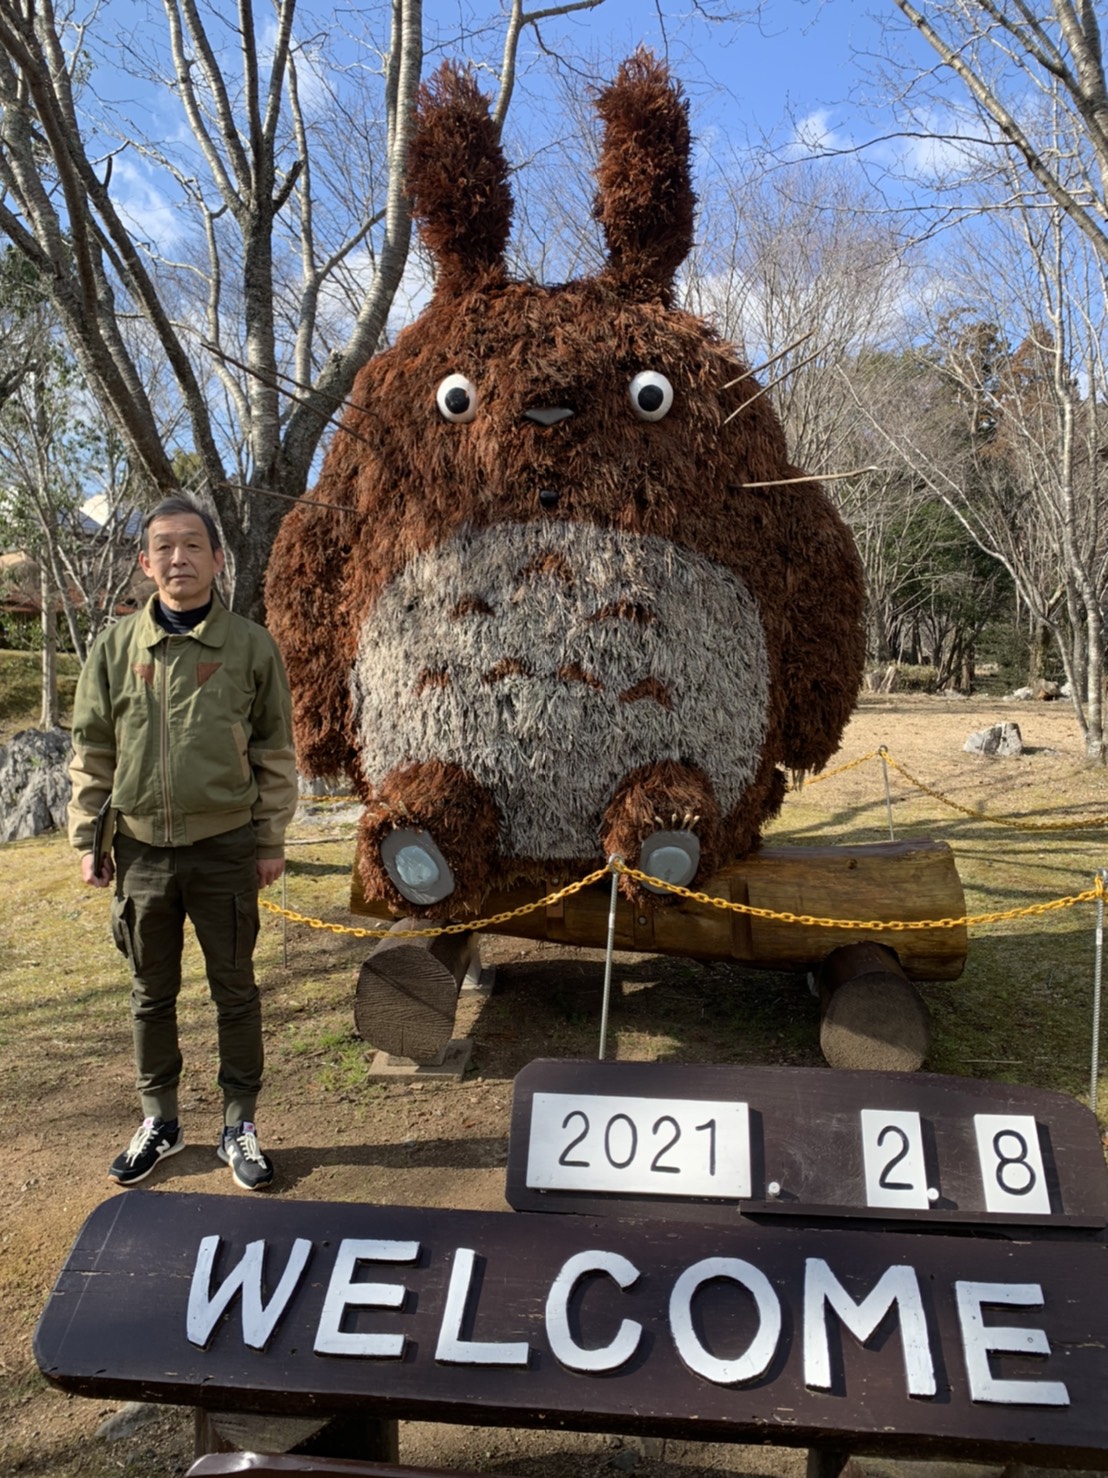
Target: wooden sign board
<point x="892" y="1343"/>
<point x="711" y="1142"/>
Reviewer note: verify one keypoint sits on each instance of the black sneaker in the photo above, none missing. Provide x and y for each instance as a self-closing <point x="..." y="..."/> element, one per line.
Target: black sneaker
<point x="239" y="1148"/>
<point x="153" y="1142"/>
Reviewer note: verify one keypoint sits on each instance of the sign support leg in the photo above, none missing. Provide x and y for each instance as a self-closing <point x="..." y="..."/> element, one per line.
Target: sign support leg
<point x="608" y="957"/>
<point x="888" y="793"/>
<point x="826" y="1462"/>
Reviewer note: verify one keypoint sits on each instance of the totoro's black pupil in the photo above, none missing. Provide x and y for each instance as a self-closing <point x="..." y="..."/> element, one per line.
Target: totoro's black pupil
<point x="651" y="397"/>
<point x="457" y="401"/>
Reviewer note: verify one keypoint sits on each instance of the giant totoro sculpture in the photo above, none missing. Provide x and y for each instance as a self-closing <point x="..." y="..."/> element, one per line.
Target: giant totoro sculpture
<point x="542" y="608"/>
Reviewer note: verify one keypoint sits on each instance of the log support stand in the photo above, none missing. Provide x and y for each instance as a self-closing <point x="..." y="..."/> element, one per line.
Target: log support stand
<point x="872" y="1016"/>
<point x="407" y="998"/>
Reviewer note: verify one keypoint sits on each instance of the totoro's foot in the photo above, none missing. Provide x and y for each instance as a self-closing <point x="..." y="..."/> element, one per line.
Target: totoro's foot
<point x="427" y="840"/>
<point x="672" y="856"/>
<point x="417" y="869"/>
<point x="664" y="819"/>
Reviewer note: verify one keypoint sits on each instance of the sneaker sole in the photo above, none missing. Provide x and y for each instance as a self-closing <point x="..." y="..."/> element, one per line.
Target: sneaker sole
<point x="165" y="1154"/>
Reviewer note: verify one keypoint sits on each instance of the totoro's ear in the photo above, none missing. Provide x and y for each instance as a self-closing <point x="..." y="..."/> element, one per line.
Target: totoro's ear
<point x="644" y="199"/>
<point x="458" y="180"/>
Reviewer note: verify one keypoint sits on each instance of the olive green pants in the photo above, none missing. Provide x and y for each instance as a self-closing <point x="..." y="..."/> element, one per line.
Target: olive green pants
<point x="215" y="884"/>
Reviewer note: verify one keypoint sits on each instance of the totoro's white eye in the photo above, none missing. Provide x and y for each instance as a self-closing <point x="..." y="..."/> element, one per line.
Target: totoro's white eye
<point x="456" y="398"/>
<point x="651" y="395"/>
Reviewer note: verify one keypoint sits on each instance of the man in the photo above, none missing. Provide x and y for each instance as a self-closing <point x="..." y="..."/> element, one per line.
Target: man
<point x="181" y="727"/>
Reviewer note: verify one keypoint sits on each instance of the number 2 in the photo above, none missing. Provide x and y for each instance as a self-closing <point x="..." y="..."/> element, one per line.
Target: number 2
<point x="883" y="1179"/>
<point x="563" y="1158"/>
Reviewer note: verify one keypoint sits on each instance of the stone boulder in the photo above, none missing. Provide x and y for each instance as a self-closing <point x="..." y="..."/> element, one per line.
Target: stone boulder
<point x="34" y="783"/>
<point x="1000" y="739"/>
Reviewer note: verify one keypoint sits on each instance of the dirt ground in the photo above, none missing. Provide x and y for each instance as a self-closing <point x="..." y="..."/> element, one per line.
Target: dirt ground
<point x="336" y="1138"/>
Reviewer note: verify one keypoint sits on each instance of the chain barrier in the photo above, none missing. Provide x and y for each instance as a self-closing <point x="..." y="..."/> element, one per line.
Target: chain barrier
<point x="435" y="930"/>
<point x="1097" y="892"/>
<point x="891" y="926"/>
<point x="883" y="753"/>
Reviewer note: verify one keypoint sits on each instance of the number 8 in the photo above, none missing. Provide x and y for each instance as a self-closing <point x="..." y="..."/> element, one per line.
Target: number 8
<point x="1003" y="1161"/>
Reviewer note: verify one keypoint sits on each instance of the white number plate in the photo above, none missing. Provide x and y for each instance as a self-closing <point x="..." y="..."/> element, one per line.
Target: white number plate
<point x="1012" y="1171"/>
<point x="892" y="1149"/>
<point x="639" y="1146"/>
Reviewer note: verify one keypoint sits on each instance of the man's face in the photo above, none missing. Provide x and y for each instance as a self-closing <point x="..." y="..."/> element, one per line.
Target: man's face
<point x="179" y="558"/>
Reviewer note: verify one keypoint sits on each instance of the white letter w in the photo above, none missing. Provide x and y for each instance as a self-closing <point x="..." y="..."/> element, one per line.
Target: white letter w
<point x="258" y="1319"/>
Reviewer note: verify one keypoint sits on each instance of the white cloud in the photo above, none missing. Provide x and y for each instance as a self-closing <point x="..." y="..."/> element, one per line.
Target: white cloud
<point x="147" y="211"/>
<point x="813" y="134"/>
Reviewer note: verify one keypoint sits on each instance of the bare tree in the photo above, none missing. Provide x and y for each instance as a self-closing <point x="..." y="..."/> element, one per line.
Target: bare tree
<point x="1017" y="65"/>
<point x="296" y="225"/>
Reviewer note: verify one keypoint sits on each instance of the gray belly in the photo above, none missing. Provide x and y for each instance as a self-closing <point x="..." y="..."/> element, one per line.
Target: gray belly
<point x="549" y="660"/>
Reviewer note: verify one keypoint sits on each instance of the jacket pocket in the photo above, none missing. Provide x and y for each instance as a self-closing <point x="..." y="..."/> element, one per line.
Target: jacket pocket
<point x="238" y="734"/>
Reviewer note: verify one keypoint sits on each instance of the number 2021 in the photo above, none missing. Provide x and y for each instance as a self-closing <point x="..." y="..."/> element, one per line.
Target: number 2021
<point x="619" y="1142"/>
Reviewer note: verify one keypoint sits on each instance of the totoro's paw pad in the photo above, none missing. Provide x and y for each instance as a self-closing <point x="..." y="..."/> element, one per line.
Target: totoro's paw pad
<point x="673" y="856"/>
<point x="419" y="871"/>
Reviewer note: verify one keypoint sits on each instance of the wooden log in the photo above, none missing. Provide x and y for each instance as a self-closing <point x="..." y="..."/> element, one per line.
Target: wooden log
<point x="407" y="993"/>
<point x="872" y="1017"/>
<point x="908" y="880"/>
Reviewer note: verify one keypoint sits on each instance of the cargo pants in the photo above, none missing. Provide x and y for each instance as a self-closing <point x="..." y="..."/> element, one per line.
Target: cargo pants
<point x="215" y="884"/>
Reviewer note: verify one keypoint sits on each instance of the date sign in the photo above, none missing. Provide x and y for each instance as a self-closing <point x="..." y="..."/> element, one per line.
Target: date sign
<point x="642" y="1146"/>
<point x="719" y="1142"/>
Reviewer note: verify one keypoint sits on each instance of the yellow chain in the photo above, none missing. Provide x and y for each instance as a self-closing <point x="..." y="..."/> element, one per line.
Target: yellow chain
<point x="892" y="926"/>
<point x="435" y="931"/>
<point x="841" y="769"/>
<point x="1011" y="821"/>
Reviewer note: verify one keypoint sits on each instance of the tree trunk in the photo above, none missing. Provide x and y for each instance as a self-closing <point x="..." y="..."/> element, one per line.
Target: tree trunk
<point x="1036" y="652"/>
<point x="51" y="711"/>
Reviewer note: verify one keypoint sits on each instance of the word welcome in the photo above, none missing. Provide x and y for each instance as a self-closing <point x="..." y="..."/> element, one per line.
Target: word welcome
<point x="896" y="1292"/>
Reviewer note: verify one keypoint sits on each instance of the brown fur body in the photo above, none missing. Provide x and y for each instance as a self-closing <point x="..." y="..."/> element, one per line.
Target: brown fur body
<point x="503" y="586"/>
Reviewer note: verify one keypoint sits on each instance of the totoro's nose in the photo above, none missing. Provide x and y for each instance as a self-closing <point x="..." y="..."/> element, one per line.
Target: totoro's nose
<point x="548" y="415"/>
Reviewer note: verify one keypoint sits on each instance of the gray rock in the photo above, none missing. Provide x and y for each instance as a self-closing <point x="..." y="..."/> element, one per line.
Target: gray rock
<point x="129" y="1419"/>
<point x="34" y="783"/>
<point x="1045" y="691"/>
<point x="1023" y="694"/>
<point x="1000" y="739"/>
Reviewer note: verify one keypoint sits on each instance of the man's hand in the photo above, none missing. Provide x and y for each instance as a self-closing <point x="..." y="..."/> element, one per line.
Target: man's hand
<point x="269" y="870"/>
<point x="101" y="879"/>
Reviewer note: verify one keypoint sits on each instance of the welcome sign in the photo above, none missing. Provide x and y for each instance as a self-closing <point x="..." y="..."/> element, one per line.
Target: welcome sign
<point x="873" y="1341"/>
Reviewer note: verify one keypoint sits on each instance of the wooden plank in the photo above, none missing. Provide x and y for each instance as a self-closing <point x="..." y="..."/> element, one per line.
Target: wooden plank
<point x="596" y="1324"/>
<point x="264" y="1465"/>
<point x="806" y="1136"/>
<point x="910" y="880"/>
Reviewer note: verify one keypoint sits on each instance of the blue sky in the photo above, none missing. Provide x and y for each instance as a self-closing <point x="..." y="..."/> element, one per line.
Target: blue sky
<point x="798" y="60"/>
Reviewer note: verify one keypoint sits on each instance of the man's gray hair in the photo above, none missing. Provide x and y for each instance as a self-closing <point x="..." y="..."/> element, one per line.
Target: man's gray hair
<point x="170" y="507"/>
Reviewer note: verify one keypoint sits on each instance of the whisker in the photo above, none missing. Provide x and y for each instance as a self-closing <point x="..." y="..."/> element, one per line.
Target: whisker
<point x="273" y="382"/>
<point x="242" y="487"/>
<point x="784" y="482"/>
<point x="796" y="343"/>
<point x="758" y="394"/>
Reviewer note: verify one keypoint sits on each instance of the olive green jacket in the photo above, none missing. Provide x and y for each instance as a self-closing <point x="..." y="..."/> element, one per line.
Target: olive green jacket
<point x="190" y="735"/>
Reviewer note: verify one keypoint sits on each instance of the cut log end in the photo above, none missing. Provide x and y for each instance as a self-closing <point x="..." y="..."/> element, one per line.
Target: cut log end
<point x="873" y="1018"/>
<point x="407" y="994"/>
